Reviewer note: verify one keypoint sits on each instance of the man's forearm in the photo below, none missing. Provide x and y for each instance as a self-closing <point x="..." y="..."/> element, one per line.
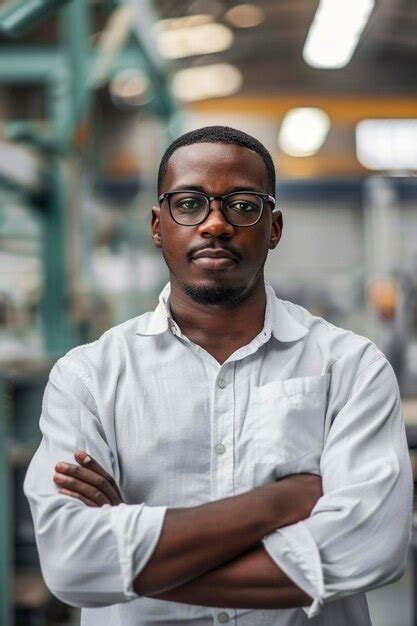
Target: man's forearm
<point x="196" y="540"/>
<point x="251" y="580"/>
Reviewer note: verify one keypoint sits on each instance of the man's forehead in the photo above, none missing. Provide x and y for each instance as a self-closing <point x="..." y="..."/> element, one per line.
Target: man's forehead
<point x="203" y="158"/>
<point x="204" y="150"/>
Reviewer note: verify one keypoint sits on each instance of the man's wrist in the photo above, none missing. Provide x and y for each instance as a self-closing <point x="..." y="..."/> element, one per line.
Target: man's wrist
<point x="269" y="501"/>
<point x="290" y="500"/>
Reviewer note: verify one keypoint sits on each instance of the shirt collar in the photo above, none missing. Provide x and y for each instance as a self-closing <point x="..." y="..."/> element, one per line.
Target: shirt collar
<point x="278" y="319"/>
<point x="285" y="327"/>
<point x="160" y="319"/>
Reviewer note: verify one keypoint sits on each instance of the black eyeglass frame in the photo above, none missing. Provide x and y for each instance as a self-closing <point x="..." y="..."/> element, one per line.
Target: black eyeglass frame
<point x="265" y="198"/>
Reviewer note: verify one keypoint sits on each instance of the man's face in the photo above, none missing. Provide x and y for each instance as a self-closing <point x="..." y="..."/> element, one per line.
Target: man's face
<point x="215" y="169"/>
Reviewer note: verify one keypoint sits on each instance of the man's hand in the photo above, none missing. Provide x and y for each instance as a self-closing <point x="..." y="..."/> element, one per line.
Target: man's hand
<point x="87" y="482"/>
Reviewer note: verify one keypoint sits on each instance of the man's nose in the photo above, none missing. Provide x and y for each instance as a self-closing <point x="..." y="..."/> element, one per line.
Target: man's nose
<point x="215" y="224"/>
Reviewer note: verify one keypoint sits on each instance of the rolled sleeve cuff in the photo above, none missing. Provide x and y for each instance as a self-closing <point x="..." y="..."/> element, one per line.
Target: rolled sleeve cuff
<point x="295" y="552"/>
<point x="137" y="528"/>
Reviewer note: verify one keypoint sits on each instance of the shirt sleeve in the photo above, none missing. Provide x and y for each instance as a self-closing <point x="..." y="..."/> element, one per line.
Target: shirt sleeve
<point x="89" y="556"/>
<point x="357" y="535"/>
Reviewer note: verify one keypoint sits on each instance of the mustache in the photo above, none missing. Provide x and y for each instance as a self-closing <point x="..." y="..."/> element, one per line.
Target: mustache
<point x="207" y="246"/>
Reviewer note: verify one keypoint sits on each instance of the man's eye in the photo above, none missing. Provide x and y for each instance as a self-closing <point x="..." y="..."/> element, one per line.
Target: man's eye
<point x="243" y="207"/>
<point x="189" y="205"/>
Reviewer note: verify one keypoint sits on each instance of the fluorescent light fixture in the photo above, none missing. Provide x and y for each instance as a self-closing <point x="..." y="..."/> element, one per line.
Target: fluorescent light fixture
<point x="182" y="22"/>
<point x="384" y="144"/>
<point x="335" y="31"/>
<point x="244" y="16"/>
<point x="192" y="40"/>
<point x="207" y="81"/>
<point x="303" y="131"/>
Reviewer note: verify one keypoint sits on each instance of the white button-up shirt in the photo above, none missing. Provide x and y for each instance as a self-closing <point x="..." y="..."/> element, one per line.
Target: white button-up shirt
<point x="177" y="429"/>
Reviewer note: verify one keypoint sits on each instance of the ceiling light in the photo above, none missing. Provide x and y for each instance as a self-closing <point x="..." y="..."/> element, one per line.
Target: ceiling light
<point x="208" y="81"/>
<point x="130" y="87"/>
<point x="335" y="32"/>
<point x="244" y="16"/>
<point x="303" y="131"/>
<point x="387" y="144"/>
<point x="192" y="40"/>
<point x="182" y="22"/>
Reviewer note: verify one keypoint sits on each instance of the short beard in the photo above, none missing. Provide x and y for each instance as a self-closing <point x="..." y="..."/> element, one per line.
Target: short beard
<point x="216" y="294"/>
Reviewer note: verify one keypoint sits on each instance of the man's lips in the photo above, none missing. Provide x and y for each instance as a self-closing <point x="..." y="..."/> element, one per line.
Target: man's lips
<point x="214" y="258"/>
<point x="215" y="253"/>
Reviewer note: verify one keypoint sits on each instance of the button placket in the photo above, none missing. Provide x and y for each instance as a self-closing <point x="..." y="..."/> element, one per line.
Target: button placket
<point x="223" y="433"/>
<point x="223" y="450"/>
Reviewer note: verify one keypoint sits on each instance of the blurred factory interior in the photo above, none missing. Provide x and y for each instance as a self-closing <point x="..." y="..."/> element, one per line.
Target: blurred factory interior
<point x="92" y="92"/>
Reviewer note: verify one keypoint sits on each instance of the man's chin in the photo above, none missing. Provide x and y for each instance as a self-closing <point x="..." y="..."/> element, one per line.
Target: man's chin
<point x="214" y="292"/>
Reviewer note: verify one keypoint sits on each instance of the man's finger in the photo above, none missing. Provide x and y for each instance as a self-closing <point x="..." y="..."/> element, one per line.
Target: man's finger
<point x="82" y="474"/>
<point x="83" y="489"/>
<point x="88" y="461"/>
<point x="78" y="496"/>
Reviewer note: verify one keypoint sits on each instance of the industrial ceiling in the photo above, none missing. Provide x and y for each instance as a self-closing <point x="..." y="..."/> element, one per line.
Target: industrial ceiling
<point x="270" y="54"/>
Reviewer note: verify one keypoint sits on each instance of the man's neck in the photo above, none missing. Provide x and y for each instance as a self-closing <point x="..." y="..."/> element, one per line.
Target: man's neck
<point x="211" y="322"/>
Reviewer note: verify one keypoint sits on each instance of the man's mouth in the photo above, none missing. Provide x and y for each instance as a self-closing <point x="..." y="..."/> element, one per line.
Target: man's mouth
<point x="214" y="258"/>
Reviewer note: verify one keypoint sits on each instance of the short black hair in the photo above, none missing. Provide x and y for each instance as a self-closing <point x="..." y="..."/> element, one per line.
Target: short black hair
<point x="219" y="134"/>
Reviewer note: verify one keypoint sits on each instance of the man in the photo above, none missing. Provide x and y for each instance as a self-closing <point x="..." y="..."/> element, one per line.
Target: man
<point x="213" y="419"/>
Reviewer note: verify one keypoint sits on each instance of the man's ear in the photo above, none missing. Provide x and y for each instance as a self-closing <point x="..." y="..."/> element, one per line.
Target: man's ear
<point x="156" y="226"/>
<point x="276" y="229"/>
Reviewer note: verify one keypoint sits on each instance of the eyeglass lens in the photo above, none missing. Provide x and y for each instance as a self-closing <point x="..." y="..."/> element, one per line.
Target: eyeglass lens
<point x="241" y="209"/>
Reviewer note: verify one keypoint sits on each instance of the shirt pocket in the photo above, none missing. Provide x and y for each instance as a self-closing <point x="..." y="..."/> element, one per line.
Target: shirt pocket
<point x="288" y="419"/>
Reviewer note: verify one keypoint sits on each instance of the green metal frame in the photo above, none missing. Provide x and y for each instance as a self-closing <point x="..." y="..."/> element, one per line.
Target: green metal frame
<point x="65" y="73"/>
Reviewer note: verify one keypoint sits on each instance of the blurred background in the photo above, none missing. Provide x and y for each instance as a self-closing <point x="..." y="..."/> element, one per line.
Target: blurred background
<point x="91" y="94"/>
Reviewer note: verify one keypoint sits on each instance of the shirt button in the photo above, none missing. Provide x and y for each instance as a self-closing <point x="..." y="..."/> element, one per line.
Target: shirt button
<point x="219" y="448"/>
<point x="222" y="383"/>
<point x="223" y="617"/>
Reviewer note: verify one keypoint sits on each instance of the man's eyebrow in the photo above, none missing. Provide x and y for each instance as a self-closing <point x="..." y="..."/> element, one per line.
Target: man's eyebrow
<point x="200" y="188"/>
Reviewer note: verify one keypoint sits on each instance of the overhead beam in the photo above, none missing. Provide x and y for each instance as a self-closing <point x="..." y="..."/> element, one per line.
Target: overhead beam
<point x="345" y="110"/>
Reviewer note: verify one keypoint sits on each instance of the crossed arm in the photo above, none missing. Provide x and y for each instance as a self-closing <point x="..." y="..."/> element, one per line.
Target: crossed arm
<point x="211" y="555"/>
<point x="251" y="580"/>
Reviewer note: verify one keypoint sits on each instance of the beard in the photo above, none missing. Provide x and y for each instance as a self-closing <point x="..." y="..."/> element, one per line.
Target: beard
<point x="217" y="293"/>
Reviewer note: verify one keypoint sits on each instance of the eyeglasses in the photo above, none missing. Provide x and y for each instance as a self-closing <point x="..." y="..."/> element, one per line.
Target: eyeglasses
<point x="241" y="208"/>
